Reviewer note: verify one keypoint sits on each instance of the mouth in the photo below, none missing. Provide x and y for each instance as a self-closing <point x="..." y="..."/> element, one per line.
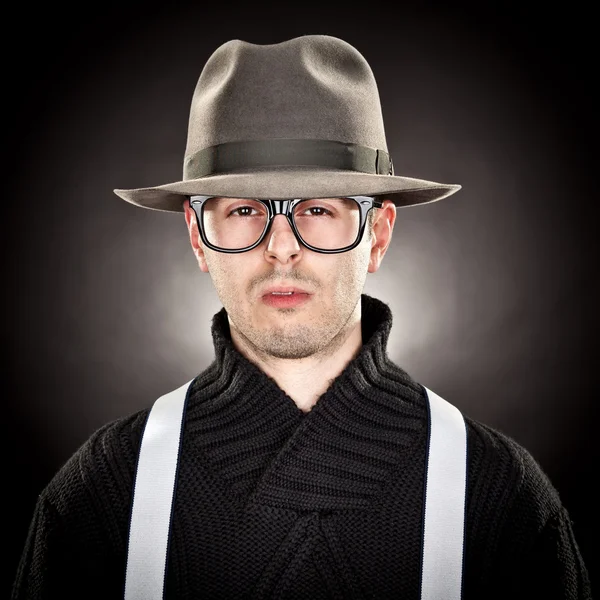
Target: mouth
<point x="284" y="290"/>
<point x="286" y="299"/>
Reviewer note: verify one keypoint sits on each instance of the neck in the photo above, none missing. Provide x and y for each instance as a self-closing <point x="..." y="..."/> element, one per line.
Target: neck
<point x="305" y="380"/>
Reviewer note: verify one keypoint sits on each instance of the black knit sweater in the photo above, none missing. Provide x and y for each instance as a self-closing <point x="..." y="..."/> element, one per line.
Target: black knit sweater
<point x="272" y="502"/>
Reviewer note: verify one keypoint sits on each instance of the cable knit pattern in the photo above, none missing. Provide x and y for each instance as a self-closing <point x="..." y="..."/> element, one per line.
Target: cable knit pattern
<point x="275" y="503"/>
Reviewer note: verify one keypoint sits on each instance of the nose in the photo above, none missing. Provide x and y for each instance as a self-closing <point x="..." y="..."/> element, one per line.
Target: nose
<point x="282" y="244"/>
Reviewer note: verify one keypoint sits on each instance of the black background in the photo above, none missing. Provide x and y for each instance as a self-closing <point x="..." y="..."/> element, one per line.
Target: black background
<point x="499" y="99"/>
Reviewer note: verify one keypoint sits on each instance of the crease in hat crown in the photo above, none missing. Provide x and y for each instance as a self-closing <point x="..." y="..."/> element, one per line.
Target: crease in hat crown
<point x="312" y="87"/>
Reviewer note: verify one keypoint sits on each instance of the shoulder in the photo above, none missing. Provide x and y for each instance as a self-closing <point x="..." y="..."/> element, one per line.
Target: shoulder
<point x="104" y="462"/>
<point x="509" y="472"/>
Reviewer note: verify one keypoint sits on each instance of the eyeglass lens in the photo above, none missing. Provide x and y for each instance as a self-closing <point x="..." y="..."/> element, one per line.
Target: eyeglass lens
<point x="236" y="223"/>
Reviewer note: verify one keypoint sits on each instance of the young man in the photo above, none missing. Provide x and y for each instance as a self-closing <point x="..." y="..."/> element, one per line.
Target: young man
<point x="302" y="463"/>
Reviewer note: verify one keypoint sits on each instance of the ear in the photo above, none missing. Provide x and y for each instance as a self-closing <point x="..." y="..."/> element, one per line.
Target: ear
<point x="194" y="233"/>
<point x="383" y="225"/>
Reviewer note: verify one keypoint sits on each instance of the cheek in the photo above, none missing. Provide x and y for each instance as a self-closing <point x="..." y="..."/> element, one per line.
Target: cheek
<point x="218" y="270"/>
<point x="349" y="272"/>
<point x="230" y="273"/>
<point x="356" y="263"/>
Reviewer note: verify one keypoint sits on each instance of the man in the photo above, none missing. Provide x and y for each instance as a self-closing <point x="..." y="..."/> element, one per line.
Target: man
<point x="302" y="463"/>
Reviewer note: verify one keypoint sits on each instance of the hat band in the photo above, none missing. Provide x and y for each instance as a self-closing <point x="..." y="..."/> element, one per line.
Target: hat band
<point x="287" y="152"/>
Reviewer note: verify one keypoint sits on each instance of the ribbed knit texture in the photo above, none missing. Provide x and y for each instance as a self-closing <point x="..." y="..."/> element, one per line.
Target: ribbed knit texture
<point x="272" y="502"/>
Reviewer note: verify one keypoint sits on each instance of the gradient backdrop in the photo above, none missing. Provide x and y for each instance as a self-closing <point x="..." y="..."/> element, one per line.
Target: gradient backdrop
<point x="493" y="290"/>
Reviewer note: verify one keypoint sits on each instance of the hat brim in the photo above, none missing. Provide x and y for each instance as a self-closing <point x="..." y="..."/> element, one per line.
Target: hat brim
<point x="290" y="182"/>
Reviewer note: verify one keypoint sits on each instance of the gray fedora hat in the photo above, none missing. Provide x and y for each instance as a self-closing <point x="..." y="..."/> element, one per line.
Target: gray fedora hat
<point x="297" y="119"/>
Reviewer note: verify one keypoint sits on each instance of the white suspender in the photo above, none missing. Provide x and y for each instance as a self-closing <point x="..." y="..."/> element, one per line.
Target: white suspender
<point x="155" y="481"/>
<point x="153" y="497"/>
<point x="445" y="493"/>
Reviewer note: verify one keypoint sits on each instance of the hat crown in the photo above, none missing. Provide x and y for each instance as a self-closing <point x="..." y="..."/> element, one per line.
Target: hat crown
<point x="309" y="87"/>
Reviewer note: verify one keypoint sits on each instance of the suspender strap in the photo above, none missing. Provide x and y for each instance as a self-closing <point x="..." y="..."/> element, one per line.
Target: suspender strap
<point x="445" y="493"/>
<point x="153" y="497"/>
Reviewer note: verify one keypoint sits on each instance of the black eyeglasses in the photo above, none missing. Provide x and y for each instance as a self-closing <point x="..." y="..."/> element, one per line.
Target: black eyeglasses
<point x="325" y="225"/>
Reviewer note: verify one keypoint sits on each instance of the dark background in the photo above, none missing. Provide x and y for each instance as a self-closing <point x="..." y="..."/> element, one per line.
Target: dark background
<point x="493" y="290"/>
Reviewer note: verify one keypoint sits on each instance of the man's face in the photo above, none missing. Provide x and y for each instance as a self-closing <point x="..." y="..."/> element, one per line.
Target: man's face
<point x="335" y="283"/>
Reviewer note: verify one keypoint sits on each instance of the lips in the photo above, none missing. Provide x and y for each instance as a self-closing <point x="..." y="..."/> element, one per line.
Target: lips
<point x="285" y="289"/>
<point x="287" y="301"/>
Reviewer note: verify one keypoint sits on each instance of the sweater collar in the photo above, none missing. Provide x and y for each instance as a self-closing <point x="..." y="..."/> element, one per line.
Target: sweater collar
<point x="338" y="454"/>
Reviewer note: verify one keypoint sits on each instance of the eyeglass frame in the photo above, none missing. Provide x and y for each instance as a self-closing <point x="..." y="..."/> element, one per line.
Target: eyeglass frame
<point x="285" y="207"/>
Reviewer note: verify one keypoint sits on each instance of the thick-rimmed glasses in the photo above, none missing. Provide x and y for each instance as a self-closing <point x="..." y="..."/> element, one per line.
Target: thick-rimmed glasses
<point x="326" y="225"/>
